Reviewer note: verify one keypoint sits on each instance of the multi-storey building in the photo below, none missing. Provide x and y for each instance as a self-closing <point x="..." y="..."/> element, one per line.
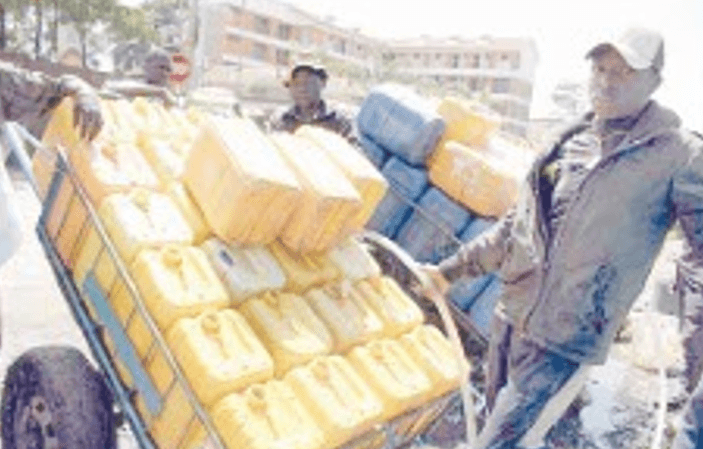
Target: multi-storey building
<point x="264" y="37"/>
<point x="268" y="36"/>
<point x="500" y="71"/>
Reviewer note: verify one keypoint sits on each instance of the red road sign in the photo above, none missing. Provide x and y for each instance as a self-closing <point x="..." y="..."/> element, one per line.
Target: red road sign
<point x="181" y="68"/>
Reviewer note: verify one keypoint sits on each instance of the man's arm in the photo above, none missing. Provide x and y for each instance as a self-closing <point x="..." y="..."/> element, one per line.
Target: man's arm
<point x="26" y="95"/>
<point x="687" y="196"/>
<point x="482" y="255"/>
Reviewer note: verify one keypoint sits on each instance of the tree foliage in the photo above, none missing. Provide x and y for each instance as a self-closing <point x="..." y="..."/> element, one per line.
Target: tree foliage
<point x="132" y="24"/>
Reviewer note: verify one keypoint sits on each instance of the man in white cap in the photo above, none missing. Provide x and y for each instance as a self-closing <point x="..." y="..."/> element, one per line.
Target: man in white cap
<point x="305" y="84"/>
<point x="576" y="249"/>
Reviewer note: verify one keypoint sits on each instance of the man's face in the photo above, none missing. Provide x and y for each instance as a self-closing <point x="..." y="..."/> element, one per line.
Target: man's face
<point x="616" y="89"/>
<point x="157" y="70"/>
<point x="306" y="88"/>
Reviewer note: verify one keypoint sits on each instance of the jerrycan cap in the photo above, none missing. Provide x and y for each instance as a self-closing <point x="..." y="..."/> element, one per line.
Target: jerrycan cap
<point x="210" y="323"/>
<point x="256" y="397"/>
<point x="320" y="370"/>
<point x="377" y="350"/>
<point x="272" y="300"/>
<point x="172" y="256"/>
<point x="140" y="197"/>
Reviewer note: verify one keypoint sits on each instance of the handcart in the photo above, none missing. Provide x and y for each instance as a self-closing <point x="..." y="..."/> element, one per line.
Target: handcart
<point x="53" y="398"/>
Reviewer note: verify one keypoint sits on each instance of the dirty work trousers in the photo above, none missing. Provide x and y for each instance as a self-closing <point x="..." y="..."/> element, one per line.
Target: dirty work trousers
<point x="689" y="286"/>
<point x="540" y="386"/>
<point x="690" y="435"/>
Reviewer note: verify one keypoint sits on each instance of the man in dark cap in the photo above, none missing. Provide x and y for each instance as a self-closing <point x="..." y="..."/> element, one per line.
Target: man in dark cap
<point x="305" y="85"/>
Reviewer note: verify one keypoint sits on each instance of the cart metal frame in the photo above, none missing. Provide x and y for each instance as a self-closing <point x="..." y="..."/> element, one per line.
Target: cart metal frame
<point x="92" y="311"/>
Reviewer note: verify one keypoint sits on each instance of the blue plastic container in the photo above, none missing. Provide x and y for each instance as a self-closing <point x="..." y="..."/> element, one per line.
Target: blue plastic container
<point x="464" y="292"/>
<point x="421" y="235"/>
<point x="481" y="310"/>
<point x="411" y="182"/>
<point x="390" y="214"/>
<point x="476" y="228"/>
<point x="400" y="121"/>
<point x="376" y="154"/>
<point x="405" y="182"/>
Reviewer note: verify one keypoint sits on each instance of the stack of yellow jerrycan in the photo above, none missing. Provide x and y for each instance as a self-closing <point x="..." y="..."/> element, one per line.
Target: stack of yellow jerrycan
<point x="245" y="277"/>
<point x="241" y="183"/>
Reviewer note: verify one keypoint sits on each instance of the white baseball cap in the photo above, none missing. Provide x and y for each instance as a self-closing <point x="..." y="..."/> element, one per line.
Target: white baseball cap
<point x="640" y="48"/>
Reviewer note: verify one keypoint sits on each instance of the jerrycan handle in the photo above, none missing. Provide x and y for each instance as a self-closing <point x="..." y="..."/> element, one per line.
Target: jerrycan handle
<point x="212" y="328"/>
<point x="256" y="400"/>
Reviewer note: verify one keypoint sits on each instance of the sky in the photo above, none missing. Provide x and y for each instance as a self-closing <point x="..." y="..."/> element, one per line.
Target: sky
<point x="564" y="30"/>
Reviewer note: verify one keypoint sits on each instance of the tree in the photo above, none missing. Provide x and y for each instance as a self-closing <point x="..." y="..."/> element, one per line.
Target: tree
<point x="85" y="14"/>
<point x="131" y="24"/>
<point x="11" y="7"/>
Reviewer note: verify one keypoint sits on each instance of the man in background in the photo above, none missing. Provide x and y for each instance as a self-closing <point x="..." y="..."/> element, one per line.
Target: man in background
<point x="305" y="84"/>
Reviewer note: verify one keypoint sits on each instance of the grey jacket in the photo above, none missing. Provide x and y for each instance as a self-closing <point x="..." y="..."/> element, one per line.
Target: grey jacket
<point x="571" y="293"/>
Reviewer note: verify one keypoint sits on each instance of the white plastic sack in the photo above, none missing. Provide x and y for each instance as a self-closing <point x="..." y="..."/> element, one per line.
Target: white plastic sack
<point x="10" y="219"/>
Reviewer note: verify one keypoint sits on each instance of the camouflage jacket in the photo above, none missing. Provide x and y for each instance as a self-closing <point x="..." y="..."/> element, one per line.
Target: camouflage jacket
<point x="333" y="120"/>
<point x="27" y="97"/>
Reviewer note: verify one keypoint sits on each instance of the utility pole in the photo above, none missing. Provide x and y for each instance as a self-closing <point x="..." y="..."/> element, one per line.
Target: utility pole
<point x="38" y="36"/>
<point x="2" y="27"/>
<point x="55" y="34"/>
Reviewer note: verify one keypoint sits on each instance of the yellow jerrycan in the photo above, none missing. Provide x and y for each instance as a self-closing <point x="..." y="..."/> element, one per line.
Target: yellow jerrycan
<point x="467" y="122"/>
<point x="369" y="182"/>
<point x="166" y="157"/>
<point x="328" y="201"/>
<point x="246" y="271"/>
<point x="343" y="406"/>
<point x="266" y="416"/>
<point x="396" y="309"/>
<point x="66" y="223"/>
<point x="350" y="319"/>
<point x="431" y="350"/>
<point x="174" y="282"/>
<point x="291" y="331"/>
<point x="240" y="181"/>
<point x="133" y="221"/>
<point x="191" y="211"/>
<point x="219" y="354"/>
<point x="105" y="168"/>
<point x="304" y="271"/>
<point x="485" y="183"/>
<point x="395" y="378"/>
<point x="353" y="260"/>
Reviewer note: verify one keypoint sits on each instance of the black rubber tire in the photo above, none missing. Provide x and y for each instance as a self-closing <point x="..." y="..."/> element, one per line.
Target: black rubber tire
<point x="76" y="395"/>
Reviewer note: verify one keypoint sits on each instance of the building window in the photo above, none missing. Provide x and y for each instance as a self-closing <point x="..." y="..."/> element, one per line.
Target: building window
<point x="282" y="57"/>
<point x="340" y="46"/>
<point x="417" y="55"/>
<point x="515" y="63"/>
<point x="475" y="61"/>
<point x="305" y="38"/>
<point x="284" y="32"/>
<point x="501" y="86"/>
<point x="455" y="61"/>
<point x="258" y="52"/>
<point x="261" y="25"/>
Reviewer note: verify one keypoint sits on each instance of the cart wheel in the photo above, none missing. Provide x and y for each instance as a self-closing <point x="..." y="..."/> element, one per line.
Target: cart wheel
<point x="54" y="399"/>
